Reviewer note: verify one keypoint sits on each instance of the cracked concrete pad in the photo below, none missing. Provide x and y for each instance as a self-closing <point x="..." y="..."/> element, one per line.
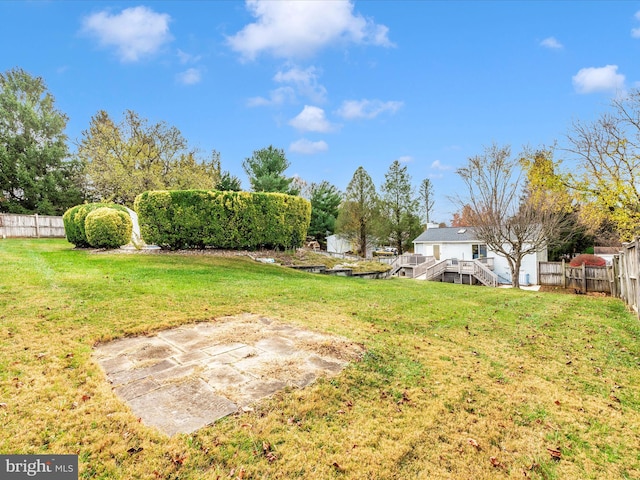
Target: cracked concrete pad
<point x="163" y="409"/>
<point x="188" y="377"/>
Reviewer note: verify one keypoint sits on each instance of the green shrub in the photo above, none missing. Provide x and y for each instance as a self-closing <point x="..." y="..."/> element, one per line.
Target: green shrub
<point x="74" y="221"/>
<point x="72" y="229"/>
<point x="108" y="228"/>
<point x="236" y="220"/>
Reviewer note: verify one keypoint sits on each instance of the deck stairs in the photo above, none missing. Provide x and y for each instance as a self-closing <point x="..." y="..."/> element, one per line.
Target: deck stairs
<point x="475" y="268"/>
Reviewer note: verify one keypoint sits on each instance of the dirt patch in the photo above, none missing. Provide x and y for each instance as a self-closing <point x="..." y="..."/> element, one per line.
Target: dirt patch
<point x="570" y="291"/>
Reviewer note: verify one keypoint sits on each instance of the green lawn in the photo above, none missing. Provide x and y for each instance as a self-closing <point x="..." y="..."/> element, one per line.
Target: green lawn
<point x="458" y="382"/>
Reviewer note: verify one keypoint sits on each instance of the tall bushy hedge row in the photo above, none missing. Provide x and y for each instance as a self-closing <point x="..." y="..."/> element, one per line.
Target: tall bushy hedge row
<point x="74" y="221"/>
<point x="180" y="219"/>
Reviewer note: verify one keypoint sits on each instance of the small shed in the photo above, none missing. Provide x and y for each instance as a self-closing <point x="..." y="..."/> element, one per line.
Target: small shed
<point x="607" y="253"/>
<point x="338" y="244"/>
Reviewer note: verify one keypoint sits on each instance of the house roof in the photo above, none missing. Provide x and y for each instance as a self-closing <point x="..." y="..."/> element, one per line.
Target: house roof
<point x="448" y="234"/>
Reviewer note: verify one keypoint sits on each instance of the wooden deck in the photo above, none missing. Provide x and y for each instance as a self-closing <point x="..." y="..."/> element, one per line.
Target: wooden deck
<point x="427" y="268"/>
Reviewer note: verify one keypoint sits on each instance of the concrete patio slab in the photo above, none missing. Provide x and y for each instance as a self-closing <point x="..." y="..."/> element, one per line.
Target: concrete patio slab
<point x="186" y="378"/>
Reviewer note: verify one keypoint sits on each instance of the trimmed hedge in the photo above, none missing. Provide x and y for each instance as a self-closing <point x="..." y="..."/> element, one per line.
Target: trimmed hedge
<point x="181" y="219"/>
<point x="108" y="227"/>
<point x="74" y="221"/>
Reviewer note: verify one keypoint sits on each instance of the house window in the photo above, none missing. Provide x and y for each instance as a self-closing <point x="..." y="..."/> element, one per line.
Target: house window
<point x="479" y="250"/>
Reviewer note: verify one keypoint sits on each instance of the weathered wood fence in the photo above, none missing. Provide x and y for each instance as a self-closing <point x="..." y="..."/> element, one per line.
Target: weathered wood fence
<point x="621" y="279"/>
<point x="30" y="226"/>
<point x="626" y="267"/>
<point x="583" y="278"/>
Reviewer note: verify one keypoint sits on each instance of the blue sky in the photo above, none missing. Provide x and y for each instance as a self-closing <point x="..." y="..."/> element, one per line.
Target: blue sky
<point x="336" y="84"/>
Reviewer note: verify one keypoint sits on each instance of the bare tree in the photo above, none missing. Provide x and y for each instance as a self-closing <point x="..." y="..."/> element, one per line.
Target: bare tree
<point x="608" y="153"/>
<point x="426" y="198"/>
<point x="512" y="222"/>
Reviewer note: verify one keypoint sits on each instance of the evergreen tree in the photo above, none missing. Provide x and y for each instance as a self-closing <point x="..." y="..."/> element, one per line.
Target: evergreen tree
<point x="401" y="223"/>
<point x="265" y="169"/>
<point x="228" y="183"/>
<point x="325" y="202"/>
<point x="359" y="212"/>
<point x="36" y="175"/>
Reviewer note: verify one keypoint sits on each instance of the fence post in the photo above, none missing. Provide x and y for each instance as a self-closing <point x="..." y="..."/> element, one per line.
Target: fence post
<point x="612" y="277"/>
<point x="637" y="275"/>
<point x="37" y="226"/>
<point x="584" y="278"/>
<point x="564" y="275"/>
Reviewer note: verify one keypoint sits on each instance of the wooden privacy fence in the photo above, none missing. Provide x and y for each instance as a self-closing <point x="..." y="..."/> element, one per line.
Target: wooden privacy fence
<point x="626" y="266"/>
<point x="619" y="279"/>
<point x="31" y="226"/>
<point x="583" y="278"/>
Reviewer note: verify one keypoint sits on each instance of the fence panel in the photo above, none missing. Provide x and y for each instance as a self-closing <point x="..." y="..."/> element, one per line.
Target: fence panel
<point x="626" y="266"/>
<point x="584" y="278"/>
<point x="551" y="273"/>
<point x="31" y="226"/>
<point x="621" y="279"/>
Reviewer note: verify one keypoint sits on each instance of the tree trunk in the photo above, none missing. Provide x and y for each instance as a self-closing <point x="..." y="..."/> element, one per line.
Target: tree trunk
<point x="515" y="272"/>
<point x="363" y="241"/>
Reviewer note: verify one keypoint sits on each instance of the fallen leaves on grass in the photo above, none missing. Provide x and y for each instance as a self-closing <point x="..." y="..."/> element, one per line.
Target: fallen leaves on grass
<point x="268" y="453"/>
<point x="474" y="444"/>
<point x="555" y="453"/>
<point x="178" y="460"/>
<point x="241" y="473"/>
<point x="495" y="462"/>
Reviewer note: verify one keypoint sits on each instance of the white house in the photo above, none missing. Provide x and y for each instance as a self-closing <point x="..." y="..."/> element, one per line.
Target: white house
<point x="463" y="244"/>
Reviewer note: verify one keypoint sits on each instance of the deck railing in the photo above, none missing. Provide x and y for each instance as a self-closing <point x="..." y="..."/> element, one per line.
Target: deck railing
<point x="476" y="268"/>
<point x="435" y="269"/>
<point x="486" y="276"/>
<point x="422" y="268"/>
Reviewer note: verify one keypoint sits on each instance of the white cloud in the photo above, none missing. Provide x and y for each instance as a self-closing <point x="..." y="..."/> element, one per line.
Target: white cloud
<point x="304" y="81"/>
<point x="405" y="159"/>
<point x="307" y="147"/>
<point x="135" y="32"/>
<point x="276" y="97"/>
<point x="185" y="57"/>
<point x="191" y="76"/>
<point x="598" y="79"/>
<point x="353" y="109"/>
<point x="551" y="43"/>
<point x="295" y="29"/>
<point x="635" y="32"/>
<point x="437" y="165"/>
<point x="298" y="83"/>
<point x="311" y="119"/>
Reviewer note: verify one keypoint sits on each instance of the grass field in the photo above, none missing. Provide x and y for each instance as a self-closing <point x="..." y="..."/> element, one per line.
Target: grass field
<point x="457" y="382"/>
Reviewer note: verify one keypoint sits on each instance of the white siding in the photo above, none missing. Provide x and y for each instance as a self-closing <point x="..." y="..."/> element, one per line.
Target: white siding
<point x="461" y="251"/>
<point x="464" y="251"/>
<point x="529" y="266"/>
